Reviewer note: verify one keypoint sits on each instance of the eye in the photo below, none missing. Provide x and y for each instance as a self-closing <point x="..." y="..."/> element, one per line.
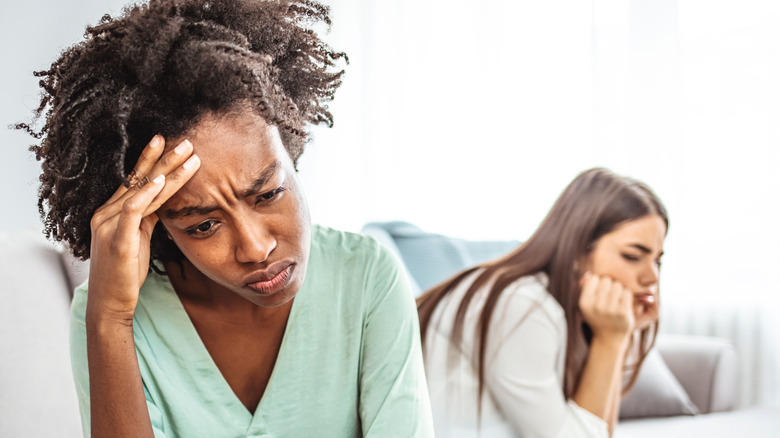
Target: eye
<point x="630" y="257"/>
<point x="203" y="229"/>
<point x="270" y="196"/>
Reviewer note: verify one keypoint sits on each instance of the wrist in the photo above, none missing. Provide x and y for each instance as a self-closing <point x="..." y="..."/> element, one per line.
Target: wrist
<point x="110" y="305"/>
<point x="105" y="333"/>
<point x="99" y="315"/>
<point x="617" y="342"/>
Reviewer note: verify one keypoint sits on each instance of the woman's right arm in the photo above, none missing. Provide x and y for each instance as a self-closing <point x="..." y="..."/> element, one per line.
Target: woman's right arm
<point x="607" y="307"/>
<point x="119" y="260"/>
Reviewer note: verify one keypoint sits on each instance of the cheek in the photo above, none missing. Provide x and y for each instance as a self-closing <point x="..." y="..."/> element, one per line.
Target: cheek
<point x="604" y="263"/>
<point x="203" y="254"/>
<point x="294" y="219"/>
<point x="619" y="269"/>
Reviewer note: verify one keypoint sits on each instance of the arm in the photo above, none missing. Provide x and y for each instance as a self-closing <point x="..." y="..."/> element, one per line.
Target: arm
<point x="81" y="377"/>
<point x="607" y="307"/>
<point x="600" y="383"/>
<point x="617" y="396"/>
<point x="119" y="260"/>
<point x="393" y="391"/>
<point x="117" y="399"/>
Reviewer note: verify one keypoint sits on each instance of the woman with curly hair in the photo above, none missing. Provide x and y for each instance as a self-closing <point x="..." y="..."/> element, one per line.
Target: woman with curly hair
<point x="535" y="344"/>
<point x="213" y="307"/>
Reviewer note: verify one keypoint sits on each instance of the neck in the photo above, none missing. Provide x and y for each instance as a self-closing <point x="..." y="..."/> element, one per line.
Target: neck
<point x="197" y="290"/>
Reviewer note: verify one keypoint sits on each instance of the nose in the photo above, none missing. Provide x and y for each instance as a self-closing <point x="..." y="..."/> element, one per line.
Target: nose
<point x="649" y="274"/>
<point x="253" y="242"/>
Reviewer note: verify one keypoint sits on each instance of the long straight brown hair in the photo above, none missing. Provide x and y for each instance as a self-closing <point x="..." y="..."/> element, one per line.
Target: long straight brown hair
<point x="593" y="204"/>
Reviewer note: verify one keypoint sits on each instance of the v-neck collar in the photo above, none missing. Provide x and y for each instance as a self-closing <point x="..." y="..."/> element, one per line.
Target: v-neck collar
<point x="219" y="384"/>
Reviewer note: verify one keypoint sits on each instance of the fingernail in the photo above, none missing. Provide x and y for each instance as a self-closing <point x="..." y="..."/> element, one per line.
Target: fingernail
<point x="191" y="162"/>
<point x="156" y="141"/>
<point x="159" y="179"/>
<point x="182" y="147"/>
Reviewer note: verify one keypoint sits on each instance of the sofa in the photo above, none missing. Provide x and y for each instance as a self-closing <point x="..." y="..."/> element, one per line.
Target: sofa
<point x="37" y="394"/>
<point x="686" y="388"/>
<point x="38" y="398"/>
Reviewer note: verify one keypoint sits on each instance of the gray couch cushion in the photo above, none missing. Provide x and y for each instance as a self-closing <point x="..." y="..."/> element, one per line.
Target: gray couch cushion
<point x="38" y="398"/>
<point x="706" y="367"/>
<point x="656" y="393"/>
<point x="77" y="271"/>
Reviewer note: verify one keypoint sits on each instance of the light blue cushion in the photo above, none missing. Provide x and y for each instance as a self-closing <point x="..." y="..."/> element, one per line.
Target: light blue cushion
<point x="432" y="258"/>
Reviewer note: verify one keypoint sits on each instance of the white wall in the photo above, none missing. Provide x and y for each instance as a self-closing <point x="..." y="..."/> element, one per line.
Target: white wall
<point x="32" y="34"/>
<point x="468" y="118"/>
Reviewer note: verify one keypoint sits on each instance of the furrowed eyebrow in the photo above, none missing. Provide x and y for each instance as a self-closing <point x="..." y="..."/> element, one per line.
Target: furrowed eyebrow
<point x="257" y="186"/>
<point x="262" y="180"/>
<point x="642" y="248"/>
<point x="189" y="211"/>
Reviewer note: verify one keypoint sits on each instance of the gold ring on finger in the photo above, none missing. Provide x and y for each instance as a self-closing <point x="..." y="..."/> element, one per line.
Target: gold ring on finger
<point x="131" y="179"/>
<point x="145" y="180"/>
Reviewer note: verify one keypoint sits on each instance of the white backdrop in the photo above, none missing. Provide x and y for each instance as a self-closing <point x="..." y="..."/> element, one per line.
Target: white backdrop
<point x="468" y="118"/>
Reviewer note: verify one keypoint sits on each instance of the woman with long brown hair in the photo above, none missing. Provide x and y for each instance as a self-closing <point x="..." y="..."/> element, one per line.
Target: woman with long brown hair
<point x="543" y="341"/>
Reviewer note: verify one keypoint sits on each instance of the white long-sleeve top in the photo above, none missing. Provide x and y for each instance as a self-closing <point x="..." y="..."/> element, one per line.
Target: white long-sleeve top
<point x="524" y="366"/>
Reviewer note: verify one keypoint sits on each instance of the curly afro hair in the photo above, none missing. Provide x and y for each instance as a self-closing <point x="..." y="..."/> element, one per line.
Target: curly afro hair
<point x="157" y="69"/>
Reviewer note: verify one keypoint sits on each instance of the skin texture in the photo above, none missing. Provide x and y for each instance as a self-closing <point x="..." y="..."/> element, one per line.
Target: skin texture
<point x="215" y="72"/>
<point x="156" y="68"/>
<point x="631" y="255"/>
<point x="252" y="230"/>
<point x="622" y="267"/>
<point x="121" y="232"/>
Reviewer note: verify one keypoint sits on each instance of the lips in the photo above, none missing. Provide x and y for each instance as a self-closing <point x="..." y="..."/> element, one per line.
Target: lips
<point x="271" y="280"/>
<point x="646" y="298"/>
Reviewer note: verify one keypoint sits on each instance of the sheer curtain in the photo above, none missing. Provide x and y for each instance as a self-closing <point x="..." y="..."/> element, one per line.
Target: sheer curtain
<point x="469" y="118"/>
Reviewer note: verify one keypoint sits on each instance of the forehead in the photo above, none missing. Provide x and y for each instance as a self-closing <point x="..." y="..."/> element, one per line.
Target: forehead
<point x="649" y="230"/>
<point x="233" y="149"/>
<point x="224" y="139"/>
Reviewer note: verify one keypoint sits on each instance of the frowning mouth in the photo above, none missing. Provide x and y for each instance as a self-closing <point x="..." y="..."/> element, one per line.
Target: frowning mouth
<point x="274" y="279"/>
<point x="646" y="298"/>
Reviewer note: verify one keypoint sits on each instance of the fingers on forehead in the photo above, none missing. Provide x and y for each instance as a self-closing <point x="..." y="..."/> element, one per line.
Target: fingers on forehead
<point x="149" y="156"/>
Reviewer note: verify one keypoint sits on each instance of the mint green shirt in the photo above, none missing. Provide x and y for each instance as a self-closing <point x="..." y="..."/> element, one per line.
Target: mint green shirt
<point x="349" y="365"/>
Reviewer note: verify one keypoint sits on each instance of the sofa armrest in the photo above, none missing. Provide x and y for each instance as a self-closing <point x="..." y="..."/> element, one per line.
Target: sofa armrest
<point x="706" y="367"/>
<point x="35" y="374"/>
<point x="77" y="271"/>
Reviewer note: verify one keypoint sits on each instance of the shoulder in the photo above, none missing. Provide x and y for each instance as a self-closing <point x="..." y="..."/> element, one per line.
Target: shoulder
<point x="78" y="306"/>
<point x="155" y="291"/>
<point x="330" y="239"/>
<point x="523" y="301"/>
<point x="350" y="250"/>
<point x="360" y="264"/>
<point x="526" y="315"/>
<point x="523" y="295"/>
<point x="530" y="294"/>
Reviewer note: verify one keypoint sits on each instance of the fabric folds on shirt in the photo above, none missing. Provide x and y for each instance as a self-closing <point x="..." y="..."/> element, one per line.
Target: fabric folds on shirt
<point x="349" y="364"/>
<point x="524" y="365"/>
